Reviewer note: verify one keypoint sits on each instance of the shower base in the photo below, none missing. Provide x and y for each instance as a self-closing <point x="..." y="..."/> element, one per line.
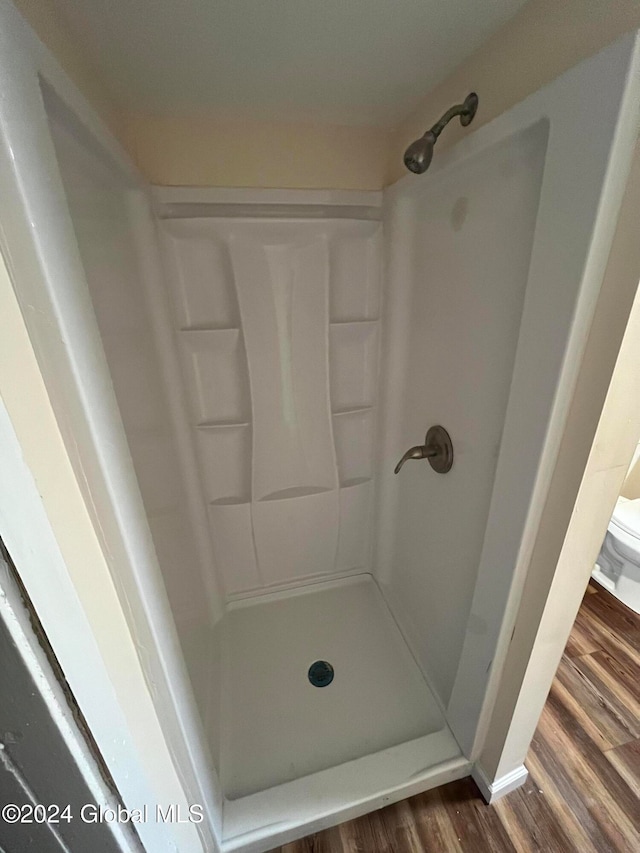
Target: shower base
<point x="292" y="753"/>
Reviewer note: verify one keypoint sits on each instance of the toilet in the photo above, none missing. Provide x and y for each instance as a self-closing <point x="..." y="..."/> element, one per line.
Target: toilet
<point x="618" y="565"/>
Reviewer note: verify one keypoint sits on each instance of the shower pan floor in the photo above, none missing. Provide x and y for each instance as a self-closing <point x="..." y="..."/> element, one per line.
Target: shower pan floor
<point x="276" y="725"/>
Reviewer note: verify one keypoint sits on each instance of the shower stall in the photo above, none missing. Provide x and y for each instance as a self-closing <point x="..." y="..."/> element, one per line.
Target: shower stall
<point x="331" y="633"/>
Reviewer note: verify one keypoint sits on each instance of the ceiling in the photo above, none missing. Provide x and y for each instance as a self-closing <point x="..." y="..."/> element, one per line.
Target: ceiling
<point x="358" y="62"/>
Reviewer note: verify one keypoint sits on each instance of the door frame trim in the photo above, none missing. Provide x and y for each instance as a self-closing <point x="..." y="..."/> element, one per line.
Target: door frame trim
<point x="18" y="617"/>
<point x="85" y="523"/>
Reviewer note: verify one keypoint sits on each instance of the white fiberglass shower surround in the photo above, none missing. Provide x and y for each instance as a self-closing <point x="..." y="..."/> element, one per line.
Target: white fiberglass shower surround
<point x="239" y="372"/>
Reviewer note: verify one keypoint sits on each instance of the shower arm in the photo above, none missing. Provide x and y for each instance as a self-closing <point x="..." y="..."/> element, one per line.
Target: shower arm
<point x="466" y="110"/>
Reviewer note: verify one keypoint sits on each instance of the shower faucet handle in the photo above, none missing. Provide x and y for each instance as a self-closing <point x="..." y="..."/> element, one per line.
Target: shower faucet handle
<point x="437" y="448"/>
<point x="420" y="451"/>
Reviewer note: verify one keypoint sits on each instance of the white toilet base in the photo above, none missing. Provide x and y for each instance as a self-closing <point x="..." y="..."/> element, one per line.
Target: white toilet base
<point x="627" y="591"/>
<point x="615" y="571"/>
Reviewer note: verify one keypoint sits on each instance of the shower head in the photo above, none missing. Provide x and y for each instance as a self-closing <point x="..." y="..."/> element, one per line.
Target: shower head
<point x="417" y="157"/>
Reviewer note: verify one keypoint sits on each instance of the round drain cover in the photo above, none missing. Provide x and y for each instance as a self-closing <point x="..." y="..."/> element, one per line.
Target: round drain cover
<point x="320" y="673"/>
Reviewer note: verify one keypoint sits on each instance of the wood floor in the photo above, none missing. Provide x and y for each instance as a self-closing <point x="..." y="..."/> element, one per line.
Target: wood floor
<point x="583" y="790"/>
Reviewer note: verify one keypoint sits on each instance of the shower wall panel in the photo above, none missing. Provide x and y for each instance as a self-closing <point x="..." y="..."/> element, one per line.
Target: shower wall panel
<point x="98" y="201"/>
<point x="469" y="236"/>
<point x="276" y="324"/>
<point x="104" y="227"/>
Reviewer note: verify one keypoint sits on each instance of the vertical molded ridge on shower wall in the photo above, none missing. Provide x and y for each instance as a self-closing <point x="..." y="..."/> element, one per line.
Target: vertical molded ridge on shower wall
<point x="283" y="294"/>
<point x="277" y="326"/>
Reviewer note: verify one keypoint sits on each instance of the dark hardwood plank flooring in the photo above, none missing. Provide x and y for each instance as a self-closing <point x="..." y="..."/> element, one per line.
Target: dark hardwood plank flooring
<point x="583" y="789"/>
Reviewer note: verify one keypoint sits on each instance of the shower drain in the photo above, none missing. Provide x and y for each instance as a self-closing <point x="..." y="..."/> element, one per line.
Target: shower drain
<point x="320" y="673"/>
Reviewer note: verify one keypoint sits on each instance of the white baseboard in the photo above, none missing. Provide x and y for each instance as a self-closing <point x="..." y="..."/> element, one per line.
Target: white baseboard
<point x="492" y="791"/>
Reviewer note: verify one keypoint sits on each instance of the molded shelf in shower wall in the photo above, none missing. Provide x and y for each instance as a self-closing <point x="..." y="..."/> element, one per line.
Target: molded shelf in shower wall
<point x="131" y="365"/>
<point x="224" y="452"/>
<point x="353" y="363"/>
<point x="216" y="375"/>
<point x="353" y="436"/>
<point x="355" y="525"/>
<point x="355" y="264"/>
<point x="201" y="277"/>
<point x="173" y="537"/>
<point x="297" y="536"/>
<point x="269" y="377"/>
<point x="157" y="469"/>
<point x="233" y="546"/>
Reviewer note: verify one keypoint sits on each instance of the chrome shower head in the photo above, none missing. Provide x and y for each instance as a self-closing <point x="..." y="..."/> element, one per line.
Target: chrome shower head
<point x="418" y="155"/>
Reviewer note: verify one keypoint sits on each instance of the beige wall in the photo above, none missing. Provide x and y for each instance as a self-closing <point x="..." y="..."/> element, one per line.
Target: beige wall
<point x="203" y="151"/>
<point x="52" y="30"/>
<point x="546" y="38"/>
<point x="542" y="41"/>
<point x="631" y="486"/>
